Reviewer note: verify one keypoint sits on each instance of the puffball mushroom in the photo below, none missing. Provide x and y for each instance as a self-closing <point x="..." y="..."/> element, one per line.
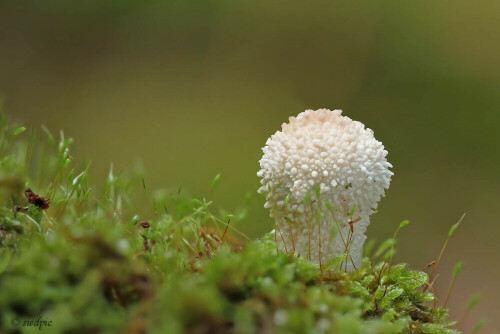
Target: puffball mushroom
<point x="324" y="175"/>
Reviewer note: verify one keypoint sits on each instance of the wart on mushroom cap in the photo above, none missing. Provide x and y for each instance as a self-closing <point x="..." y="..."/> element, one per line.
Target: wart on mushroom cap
<point x="322" y="160"/>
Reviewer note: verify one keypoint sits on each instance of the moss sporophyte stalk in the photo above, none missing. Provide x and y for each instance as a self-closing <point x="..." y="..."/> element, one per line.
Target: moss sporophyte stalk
<point x="138" y="260"/>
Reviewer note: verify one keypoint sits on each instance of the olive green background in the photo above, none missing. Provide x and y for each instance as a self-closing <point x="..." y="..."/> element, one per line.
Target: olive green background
<point x="194" y="88"/>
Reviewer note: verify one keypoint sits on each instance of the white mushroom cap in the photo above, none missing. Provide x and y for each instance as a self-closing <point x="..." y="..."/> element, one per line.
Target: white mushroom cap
<point x="322" y="152"/>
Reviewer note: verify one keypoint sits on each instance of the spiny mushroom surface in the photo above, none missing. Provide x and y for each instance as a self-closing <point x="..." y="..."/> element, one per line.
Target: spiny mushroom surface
<point x="322" y="153"/>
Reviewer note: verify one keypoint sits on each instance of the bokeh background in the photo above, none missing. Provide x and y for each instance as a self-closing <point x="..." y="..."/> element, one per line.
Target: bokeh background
<point x="191" y="89"/>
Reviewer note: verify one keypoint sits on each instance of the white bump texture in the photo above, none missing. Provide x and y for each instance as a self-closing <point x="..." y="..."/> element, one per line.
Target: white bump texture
<point x="322" y="152"/>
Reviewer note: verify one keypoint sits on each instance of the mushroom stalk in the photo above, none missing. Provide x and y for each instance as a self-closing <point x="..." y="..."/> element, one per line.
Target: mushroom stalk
<point x="324" y="175"/>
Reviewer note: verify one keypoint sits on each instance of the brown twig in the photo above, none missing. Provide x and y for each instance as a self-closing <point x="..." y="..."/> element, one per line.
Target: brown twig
<point x="36" y="200"/>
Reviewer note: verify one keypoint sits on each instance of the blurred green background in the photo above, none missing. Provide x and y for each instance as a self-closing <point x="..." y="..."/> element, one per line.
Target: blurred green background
<point x="191" y="89"/>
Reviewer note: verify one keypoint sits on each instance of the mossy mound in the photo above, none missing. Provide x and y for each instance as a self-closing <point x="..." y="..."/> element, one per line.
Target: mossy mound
<point x="91" y="264"/>
<point x="85" y="282"/>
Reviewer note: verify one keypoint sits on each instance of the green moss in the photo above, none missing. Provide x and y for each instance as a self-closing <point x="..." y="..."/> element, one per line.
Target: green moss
<point x="88" y="264"/>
